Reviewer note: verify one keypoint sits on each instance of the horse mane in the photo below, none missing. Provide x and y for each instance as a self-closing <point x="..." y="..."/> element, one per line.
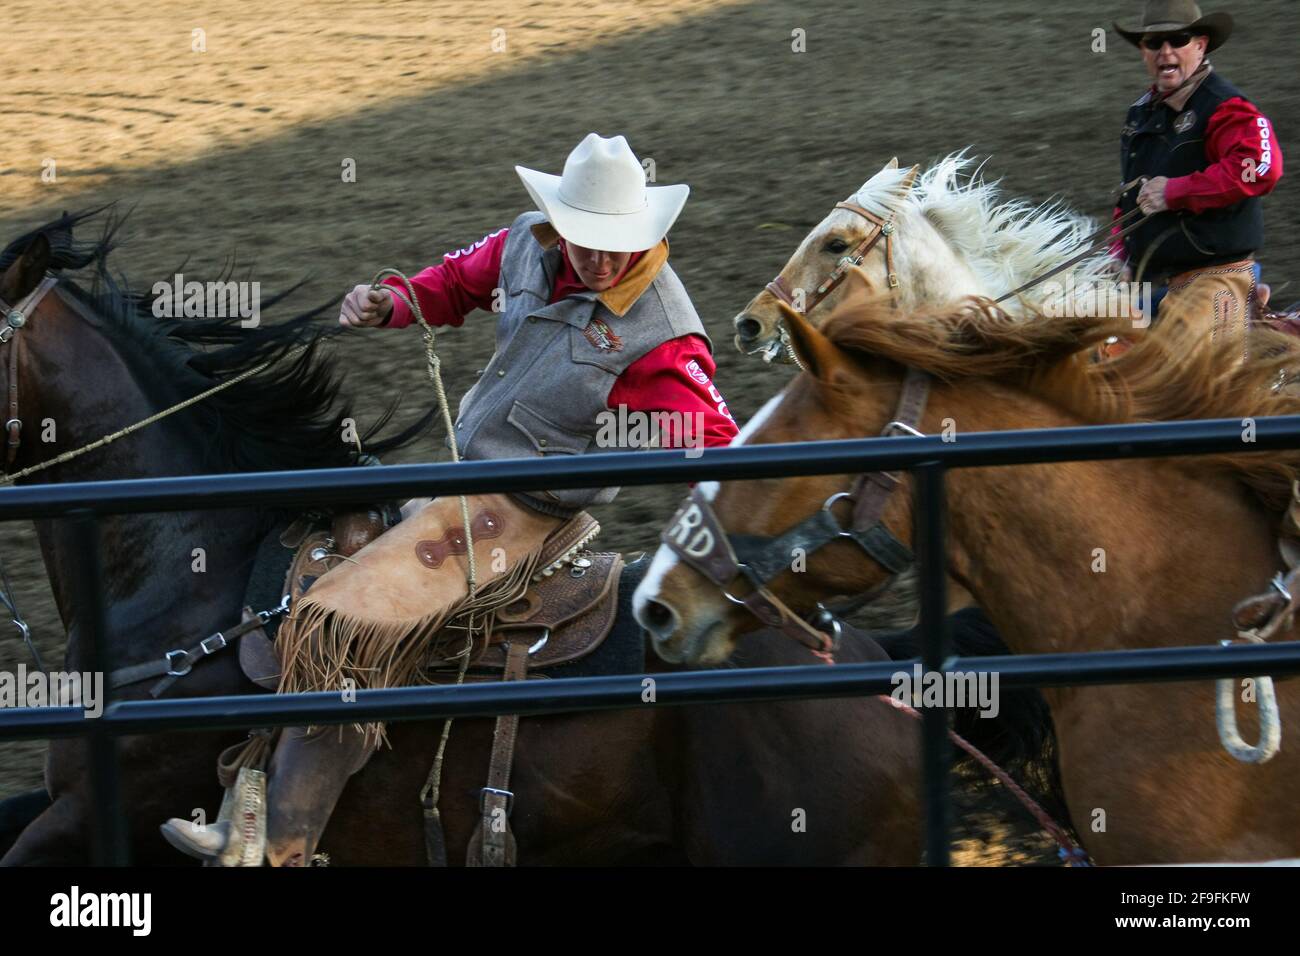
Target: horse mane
<point x="1158" y="379"/>
<point x="1006" y="242"/>
<point x="289" y="416"/>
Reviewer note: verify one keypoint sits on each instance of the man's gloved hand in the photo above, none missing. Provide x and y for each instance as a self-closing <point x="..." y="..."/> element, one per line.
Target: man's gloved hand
<point x="364" y="307"/>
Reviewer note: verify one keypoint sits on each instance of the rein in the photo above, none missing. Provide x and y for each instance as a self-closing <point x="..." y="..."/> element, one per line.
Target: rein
<point x="698" y="538"/>
<point x="1100" y="239"/>
<point x="16" y="319"/>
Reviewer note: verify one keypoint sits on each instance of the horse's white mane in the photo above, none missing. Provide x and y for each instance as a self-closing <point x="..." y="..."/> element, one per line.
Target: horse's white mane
<point x="1005" y="242"/>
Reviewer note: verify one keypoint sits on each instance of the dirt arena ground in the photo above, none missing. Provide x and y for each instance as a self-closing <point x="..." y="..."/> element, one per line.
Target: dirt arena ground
<point x="238" y="149"/>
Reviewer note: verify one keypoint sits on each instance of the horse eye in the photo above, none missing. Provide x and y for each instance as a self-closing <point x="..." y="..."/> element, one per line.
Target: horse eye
<point x="836" y="246"/>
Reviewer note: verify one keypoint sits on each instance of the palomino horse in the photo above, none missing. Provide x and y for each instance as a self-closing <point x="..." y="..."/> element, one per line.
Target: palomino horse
<point x="1068" y="557"/>
<point x="929" y="242"/>
<point x="708" y="785"/>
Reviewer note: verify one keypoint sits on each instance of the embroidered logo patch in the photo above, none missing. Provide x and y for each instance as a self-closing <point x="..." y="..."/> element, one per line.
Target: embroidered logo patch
<point x="694" y="371"/>
<point x="602" y="336"/>
<point x="1185" y="121"/>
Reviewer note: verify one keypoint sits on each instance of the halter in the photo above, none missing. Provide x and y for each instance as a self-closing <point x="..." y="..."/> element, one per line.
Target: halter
<point x="15" y="318"/>
<point x="698" y="538"/>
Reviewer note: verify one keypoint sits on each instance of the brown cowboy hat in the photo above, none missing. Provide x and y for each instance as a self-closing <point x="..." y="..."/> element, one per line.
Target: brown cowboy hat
<point x="1178" y="16"/>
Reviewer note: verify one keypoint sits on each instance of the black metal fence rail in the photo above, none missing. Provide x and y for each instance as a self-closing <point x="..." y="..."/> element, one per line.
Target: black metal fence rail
<point x="928" y="458"/>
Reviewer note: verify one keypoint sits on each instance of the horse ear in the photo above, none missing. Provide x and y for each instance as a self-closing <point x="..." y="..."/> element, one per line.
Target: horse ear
<point x="909" y="180"/>
<point x="26" y="271"/>
<point x="818" y="354"/>
<point x="892" y="164"/>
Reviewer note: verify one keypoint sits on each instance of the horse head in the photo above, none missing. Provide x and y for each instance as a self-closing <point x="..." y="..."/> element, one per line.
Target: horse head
<point x="696" y="617"/>
<point x="41" y="353"/>
<point x="928" y="241"/>
<point x="839" y="234"/>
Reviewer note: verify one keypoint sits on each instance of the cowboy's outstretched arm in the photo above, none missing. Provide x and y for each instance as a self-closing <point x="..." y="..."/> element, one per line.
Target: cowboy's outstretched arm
<point x="1246" y="161"/>
<point x="465" y="280"/>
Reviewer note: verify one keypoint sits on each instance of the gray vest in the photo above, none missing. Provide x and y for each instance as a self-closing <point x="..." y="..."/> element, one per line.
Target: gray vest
<point x="553" y="370"/>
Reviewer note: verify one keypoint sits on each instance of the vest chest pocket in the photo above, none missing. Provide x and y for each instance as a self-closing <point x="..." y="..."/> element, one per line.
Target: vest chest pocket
<point x="546" y="437"/>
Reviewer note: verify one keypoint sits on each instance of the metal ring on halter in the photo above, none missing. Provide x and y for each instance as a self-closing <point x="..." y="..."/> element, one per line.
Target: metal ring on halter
<point x="1279" y="583"/>
<point x="826" y="506"/>
<point x="902" y="427"/>
<point x="740" y="569"/>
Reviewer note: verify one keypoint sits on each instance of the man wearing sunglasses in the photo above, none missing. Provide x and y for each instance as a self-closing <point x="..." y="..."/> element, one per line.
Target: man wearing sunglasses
<point x="1204" y="156"/>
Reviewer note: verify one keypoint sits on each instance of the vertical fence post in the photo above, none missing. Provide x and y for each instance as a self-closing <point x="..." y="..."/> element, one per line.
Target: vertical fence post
<point x="109" y="846"/>
<point x="936" y="758"/>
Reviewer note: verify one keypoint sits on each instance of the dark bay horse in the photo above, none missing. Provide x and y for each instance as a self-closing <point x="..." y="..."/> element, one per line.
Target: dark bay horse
<point x="832" y="781"/>
<point x="90" y="361"/>
<point x="1065" y="557"/>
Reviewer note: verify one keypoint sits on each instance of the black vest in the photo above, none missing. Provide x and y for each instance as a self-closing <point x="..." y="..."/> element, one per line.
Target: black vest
<point x="1158" y="142"/>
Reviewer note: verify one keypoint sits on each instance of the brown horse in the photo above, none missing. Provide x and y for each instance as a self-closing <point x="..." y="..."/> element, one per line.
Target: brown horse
<point x="795" y="782"/>
<point x="1067" y="557"/>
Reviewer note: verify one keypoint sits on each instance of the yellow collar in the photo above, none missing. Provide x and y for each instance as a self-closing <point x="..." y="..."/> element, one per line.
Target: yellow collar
<point x="632" y="286"/>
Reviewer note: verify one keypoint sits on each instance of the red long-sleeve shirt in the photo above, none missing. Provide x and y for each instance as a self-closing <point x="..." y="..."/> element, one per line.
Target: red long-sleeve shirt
<point x="677" y="376"/>
<point x="1239" y="139"/>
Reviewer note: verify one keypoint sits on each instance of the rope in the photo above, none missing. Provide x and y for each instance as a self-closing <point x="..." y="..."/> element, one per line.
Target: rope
<point x="1072" y="853"/>
<point x="429" y="794"/>
<point x="144" y="423"/>
<point x="434" y="367"/>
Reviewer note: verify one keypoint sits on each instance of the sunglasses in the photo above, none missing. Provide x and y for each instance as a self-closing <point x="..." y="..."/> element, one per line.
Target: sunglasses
<point x="1175" y="40"/>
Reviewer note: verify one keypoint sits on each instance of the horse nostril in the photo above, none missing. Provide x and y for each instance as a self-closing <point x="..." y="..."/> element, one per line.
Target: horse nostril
<point x="658" y="618"/>
<point x="748" y="328"/>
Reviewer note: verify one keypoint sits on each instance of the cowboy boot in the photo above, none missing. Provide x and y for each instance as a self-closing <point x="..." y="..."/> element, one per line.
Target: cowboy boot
<point x="308" y="773"/>
<point x="306" y="778"/>
<point x="238" y="838"/>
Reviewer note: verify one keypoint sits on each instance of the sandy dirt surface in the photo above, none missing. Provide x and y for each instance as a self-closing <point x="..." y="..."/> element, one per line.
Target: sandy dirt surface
<point x="238" y="148"/>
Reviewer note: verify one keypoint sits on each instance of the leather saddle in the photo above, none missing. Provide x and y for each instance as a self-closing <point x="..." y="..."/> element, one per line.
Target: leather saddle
<point x="566" y="613"/>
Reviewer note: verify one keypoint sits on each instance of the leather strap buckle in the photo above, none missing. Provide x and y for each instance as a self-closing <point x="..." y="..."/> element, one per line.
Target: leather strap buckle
<point x="507" y="794"/>
<point x="219" y="636"/>
<point x="171" y="657"/>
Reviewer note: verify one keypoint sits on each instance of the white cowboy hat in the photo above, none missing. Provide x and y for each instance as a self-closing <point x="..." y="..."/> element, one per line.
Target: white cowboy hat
<point x="602" y="200"/>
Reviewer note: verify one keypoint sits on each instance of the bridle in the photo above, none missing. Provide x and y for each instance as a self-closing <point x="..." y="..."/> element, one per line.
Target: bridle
<point x="15" y="319"/>
<point x="882" y="227"/>
<point x="698" y="538"/>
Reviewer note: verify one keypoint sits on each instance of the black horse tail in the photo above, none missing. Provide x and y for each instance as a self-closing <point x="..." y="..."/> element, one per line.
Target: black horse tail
<point x="1021" y="739"/>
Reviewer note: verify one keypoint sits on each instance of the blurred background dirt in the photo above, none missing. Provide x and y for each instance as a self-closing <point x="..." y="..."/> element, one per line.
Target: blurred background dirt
<point x="238" y="150"/>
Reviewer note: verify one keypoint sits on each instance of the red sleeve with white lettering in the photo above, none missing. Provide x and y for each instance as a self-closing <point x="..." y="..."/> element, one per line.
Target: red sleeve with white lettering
<point x="677" y="377"/>
<point x="1246" y="158"/>
<point x="465" y="280"/>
